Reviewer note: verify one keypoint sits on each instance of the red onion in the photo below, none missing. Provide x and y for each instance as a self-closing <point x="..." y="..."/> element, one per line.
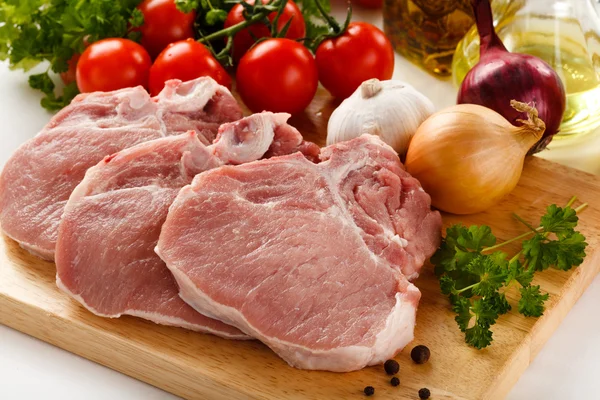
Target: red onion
<point x="501" y="76"/>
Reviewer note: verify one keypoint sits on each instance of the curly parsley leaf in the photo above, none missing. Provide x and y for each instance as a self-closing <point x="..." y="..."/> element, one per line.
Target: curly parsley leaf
<point x="479" y="336"/>
<point x="481" y="314"/>
<point x="516" y="272"/>
<point x="137" y="18"/>
<point x="535" y="253"/>
<point x="500" y="303"/>
<point x="476" y="238"/>
<point x="564" y="253"/>
<point x="485" y="312"/>
<point x="54" y="103"/>
<point x="460" y="247"/>
<point x="532" y="301"/>
<point x="42" y="82"/>
<point x="571" y="251"/>
<point x="462" y="307"/>
<point x="558" y="219"/>
<point x="447" y="285"/>
<point x="475" y="278"/>
<point x="445" y="258"/>
<point x="491" y="276"/>
<point x="314" y="24"/>
<point x="52" y="31"/>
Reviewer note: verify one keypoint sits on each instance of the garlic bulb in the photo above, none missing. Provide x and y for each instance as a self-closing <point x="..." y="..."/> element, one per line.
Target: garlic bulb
<point x="392" y="110"/>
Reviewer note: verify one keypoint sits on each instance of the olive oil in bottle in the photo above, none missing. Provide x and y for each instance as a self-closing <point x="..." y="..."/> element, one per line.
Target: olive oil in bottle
<point x="427" y="31"/>
<point x="562" y="43"/>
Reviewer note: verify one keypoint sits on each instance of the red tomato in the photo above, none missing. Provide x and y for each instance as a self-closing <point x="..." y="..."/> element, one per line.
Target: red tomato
<point x="362" y="52"/>
<point x="185" y="60"/>
<point x="71" y="74"/>
<point x="164" y="24"/>
<point x="277" y="75"/>
<point x="370" y="3"/>
<point x="112" y="64"/>
<point x="245" y="38"/>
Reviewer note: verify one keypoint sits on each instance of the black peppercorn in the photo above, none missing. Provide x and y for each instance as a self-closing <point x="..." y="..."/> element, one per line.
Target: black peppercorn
<point x="369" y="390"/>
<point x="424" y="393"/>
<point x="420" y="354"/>
<point x="395" y="381"/>
<point x="391" y="367"/>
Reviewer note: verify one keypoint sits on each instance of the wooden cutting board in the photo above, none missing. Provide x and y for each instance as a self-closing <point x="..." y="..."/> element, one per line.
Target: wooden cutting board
<point x="198" y="366"/>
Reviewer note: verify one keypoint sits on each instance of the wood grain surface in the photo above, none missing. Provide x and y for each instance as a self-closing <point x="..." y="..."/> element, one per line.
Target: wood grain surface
<point x="198" y="366"/>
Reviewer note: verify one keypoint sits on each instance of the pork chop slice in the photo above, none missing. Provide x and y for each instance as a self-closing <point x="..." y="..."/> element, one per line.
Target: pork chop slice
<point x="105" y="255"/>
<point x="200" y="105"/>
<point x="292" y="253"/>
<point x="39" y="177"/>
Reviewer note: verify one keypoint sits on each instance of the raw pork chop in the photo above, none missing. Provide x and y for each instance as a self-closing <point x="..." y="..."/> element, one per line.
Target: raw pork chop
<point x="105" y="251"/>
<point x="308" y="258"/>
<point x="42" y="173"/>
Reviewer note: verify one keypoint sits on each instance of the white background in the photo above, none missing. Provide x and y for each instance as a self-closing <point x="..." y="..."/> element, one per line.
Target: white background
<point x="568" y="367"/>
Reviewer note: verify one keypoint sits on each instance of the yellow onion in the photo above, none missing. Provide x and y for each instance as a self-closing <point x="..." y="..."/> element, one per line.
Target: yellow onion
<point x="468" y="157"/>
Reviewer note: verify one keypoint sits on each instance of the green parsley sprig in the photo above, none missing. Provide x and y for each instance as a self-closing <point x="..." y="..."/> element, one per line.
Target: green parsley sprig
<point x="475" y="274"/>
<point x="52" y="31"/>
<point x="315" y="24"/>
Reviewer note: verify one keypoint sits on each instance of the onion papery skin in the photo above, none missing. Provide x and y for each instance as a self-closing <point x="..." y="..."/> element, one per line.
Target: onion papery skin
<point x="468" y="157"/>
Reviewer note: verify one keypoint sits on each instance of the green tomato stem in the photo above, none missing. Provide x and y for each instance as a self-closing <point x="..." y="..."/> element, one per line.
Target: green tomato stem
<point x="330" y="20"/>
<point x="232" y="30"/>
<point x="223" y="54"/>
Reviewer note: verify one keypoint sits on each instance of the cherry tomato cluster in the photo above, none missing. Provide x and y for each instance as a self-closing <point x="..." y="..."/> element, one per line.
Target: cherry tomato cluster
<point x="282" y="75"/>
<point x="275" y="74"/>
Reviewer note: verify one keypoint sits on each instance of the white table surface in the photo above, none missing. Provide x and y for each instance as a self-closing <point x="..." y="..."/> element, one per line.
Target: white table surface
<point x="568" y="367"/>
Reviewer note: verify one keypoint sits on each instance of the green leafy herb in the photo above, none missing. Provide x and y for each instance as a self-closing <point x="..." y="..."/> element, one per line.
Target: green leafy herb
<point x="137" y="18"/>
<point x="475" y="275"/>
<point x="312" y="17"/>
<point x="52" y="31"/>
<point x="327" y="28"/>
<point x="532" y="301"/>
